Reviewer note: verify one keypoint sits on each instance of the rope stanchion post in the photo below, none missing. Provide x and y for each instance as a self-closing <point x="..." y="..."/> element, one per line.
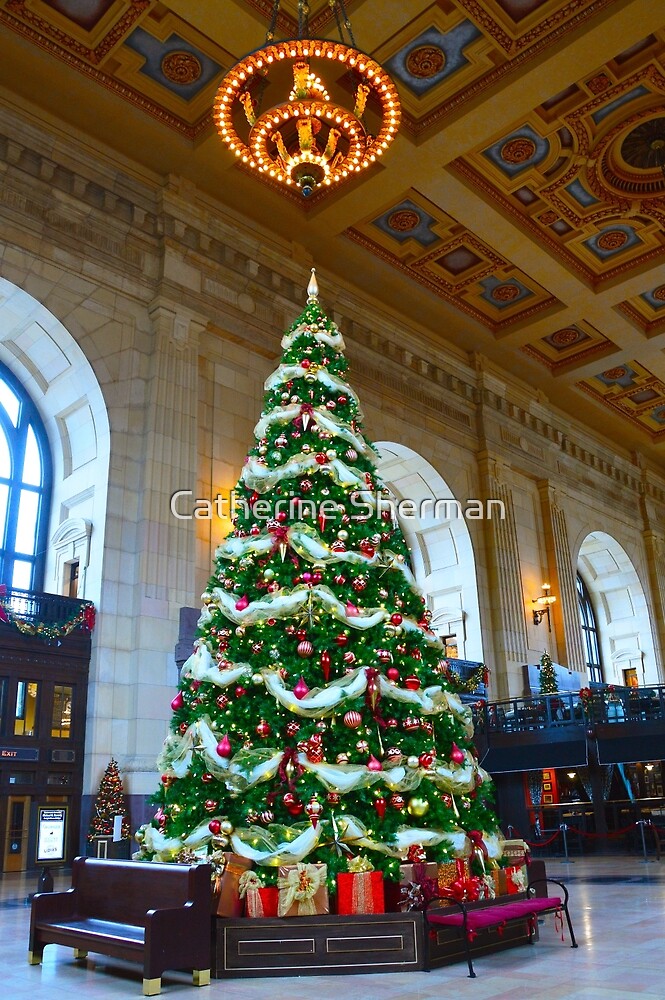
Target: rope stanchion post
<point x="511" y="831"/>
<point x="564" y="834"/>
<point x="642" y="823"/>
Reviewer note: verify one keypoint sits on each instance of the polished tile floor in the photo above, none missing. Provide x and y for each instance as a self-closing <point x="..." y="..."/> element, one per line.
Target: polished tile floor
<point x="617" y="906"/>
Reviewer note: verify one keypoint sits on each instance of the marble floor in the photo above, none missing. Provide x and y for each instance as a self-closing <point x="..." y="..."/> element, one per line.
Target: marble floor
<point x="617" y="905"/>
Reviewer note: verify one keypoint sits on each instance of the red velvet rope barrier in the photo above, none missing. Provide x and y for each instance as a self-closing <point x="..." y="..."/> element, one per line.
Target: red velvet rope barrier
<point x="580" y="833"/>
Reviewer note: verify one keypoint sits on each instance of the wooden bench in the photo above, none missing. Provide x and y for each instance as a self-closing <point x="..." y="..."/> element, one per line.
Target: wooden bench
<point x="522" y="908"/>
<point x="158" y="914"/>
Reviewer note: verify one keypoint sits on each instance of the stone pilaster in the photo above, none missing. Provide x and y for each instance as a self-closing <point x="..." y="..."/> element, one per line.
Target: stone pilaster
<point x="563" y="580"/>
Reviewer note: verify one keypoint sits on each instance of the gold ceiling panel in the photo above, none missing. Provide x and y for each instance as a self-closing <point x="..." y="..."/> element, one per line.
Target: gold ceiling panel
<point x="422" y="240"/>
<point x="646" y="311"/>
<point x="582" y="171"/>
<point x="634" y="392"/>
<point x="567" y="348"/>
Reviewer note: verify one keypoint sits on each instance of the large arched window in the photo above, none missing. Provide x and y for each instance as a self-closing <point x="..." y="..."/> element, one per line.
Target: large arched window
<point x="25" y="487"/>
<point x="589" y="633"/>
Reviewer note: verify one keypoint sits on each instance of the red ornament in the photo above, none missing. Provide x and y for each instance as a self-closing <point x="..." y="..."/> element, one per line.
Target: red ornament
<point x="206" y="777"/>
<point x="333" y="798"/>
<point x="397" y="801"/>
<point x="392" y="723"/>
<point x="380" y="805"/>
<point x="394" y="754"/>
<point x="305" y="363"/>
<point x="214" y="826"/>
<point x="324" y="660"/>
<point x="183" y="727"/>
<point x="447" y="800"/>
<point x="301" y="633"/>
<point x="340" y="579"/>
<point x="292" y="728"/>
<point x="412" y="683"/>
<point x="264" y="729"/>
<point x="305" y="485"/>
<point x="359" y="584"/>
<point x="426" y="759"/>
<point x="178" y="702"/>
<point x="210" y="805"/>
<point x="240" y="691"/>
<point x="392" y="673"/>
<point x="384" y="655"/>
<point x="352" y="719"/>
<point x="320" y="458"/>
<point x="350" y="657"/>
<point x="457" y="755"/>
<point x="411" y="723"/>
<point x="396" y="619"/>
<point x="341" y="639"/>
<point x="282" y="516"/>
<point x="301" y="689"/>
<point x="255" y="530"/>
<point x="305" y="648"/>
<point x="224" y="747"/>
<point x="341" y="400"/>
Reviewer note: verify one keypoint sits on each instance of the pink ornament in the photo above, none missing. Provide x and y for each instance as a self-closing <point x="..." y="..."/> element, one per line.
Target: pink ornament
<point x="242" y="603"/>
<point x="351" y="610"/>
<point x="224" y="747"/>
<point x="456" y="755"/>
<point x="177" y="702"/>
<point x="373" y="764"/>
<point x="301" y="689"/>
<point x="305" y="648"/>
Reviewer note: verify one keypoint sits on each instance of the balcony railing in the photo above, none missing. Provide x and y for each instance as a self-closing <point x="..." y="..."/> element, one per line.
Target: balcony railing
<point x="618" y="705"/>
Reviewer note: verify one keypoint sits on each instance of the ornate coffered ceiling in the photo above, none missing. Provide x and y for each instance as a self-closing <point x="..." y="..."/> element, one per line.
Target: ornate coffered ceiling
<point x="519" y="214"/>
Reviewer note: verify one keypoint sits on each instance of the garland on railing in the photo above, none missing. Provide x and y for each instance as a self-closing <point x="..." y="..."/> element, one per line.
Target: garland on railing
<point x="480" y="675"/>
<point x="49" y="631"/>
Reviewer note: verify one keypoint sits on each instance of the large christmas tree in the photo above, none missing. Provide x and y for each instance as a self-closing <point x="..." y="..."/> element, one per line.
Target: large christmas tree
<point x="315" y="719"/>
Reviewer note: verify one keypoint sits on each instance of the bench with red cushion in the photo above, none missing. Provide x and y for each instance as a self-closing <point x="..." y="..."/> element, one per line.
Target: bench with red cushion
<point x="497" y="915"/>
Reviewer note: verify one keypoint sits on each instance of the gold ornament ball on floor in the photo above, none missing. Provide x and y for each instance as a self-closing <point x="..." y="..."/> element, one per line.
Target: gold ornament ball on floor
<point x="417" y="806"/>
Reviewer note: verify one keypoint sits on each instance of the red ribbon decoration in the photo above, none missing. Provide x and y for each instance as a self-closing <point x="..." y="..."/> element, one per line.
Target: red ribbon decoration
<point x="373" y="695"/>
<point x="476" y="838"/>
<point x="290" y="757"/>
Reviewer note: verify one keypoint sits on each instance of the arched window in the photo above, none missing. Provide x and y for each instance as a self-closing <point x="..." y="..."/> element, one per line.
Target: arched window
<point x="25" y="487"/>
<point x="589" y="633"/>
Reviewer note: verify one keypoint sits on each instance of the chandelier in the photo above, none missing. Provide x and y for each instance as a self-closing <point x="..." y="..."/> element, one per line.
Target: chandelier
<point x="331" y="110"/>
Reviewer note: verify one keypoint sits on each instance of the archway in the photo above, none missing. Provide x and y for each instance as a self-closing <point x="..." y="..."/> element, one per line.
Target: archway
<point x="55" y="372"/>
<point x="621" y="610"/>
<point x="441" y="551"/>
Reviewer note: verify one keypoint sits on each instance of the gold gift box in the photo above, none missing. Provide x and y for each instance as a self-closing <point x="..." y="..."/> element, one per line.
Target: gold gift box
<point x="226" y="901"/>
<point x="289" y="904"/>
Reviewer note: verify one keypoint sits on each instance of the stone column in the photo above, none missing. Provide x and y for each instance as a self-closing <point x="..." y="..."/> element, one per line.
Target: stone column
<point x="505" y="581"/>
<point x="563" y="579"/>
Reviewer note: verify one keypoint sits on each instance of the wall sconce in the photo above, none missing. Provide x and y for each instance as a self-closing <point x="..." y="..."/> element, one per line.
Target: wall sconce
<point x="544" y="610"/>
<point x="572" y="775"/>
<point x="649" y="767"/>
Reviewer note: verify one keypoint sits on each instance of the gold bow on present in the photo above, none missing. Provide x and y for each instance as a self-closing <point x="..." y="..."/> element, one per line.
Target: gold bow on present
<point x="300" y="885"/>
<point x="249" y="881"/>
<point x="359" y="864"/>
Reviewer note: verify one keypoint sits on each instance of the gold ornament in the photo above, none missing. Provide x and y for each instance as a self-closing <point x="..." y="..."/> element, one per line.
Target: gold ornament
<point x="412" y="762"/>
<point x="226" y="827"/>
<point x="417" y="806"/>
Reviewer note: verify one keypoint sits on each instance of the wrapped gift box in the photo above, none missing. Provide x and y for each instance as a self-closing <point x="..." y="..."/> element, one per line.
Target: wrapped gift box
<point x="418" y="884"/>
<point x="303" y="890"/>
<point x="360" y="892"/>
<point x="510" y="880"/>
<point x="262" y="902"/>
<point x="516" y="850"/>
<point x="451" y="871"/>
<point x="226" y="901"/>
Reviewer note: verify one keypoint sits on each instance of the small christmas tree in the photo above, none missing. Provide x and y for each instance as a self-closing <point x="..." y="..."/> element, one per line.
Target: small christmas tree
<point x="548" y="681"/>
<point x="110" y="803"/>
<point x="316" y="719"/>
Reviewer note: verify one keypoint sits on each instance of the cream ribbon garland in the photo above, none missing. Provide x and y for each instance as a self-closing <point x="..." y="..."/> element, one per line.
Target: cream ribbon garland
<point x="285" y="373"/>
<point x="279" y="845"/>
<point x="308" y="544"/>
<point x="330" y="337"/>
<point x="260" y="477"/>
<point x="323" y="418"/>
